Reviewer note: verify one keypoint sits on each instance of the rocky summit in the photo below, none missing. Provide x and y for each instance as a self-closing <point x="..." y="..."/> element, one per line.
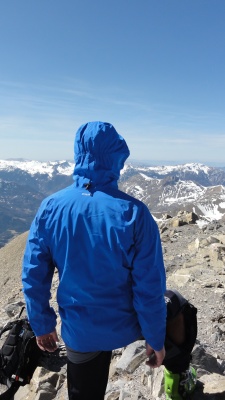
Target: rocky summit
<point x="195" y="265"/>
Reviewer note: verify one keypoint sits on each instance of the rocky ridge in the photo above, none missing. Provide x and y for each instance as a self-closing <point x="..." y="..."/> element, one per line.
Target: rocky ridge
<point x="195" y="265"/>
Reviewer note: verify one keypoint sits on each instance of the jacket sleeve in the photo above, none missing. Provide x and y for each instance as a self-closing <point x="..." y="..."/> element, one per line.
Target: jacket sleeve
<point x="149" y="280"/>
<point x="37" y="273"/>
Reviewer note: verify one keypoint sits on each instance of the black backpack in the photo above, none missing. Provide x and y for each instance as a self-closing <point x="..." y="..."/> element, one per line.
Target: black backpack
<point x="19" y="356"/>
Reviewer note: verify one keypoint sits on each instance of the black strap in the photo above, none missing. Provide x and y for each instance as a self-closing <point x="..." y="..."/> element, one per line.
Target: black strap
<point x="7" y="327"/>
<point x="10" y="324"/>
<point x="21" y="312"/>
<point x="9" y="393"/>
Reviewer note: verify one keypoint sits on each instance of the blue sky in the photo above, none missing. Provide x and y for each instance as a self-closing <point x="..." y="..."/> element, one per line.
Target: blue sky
<point x="155" y="69"/>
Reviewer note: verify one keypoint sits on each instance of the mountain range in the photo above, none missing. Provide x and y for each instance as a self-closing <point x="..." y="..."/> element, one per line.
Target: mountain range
<point x="164" y="189"/>
<point x="194" y="262"/>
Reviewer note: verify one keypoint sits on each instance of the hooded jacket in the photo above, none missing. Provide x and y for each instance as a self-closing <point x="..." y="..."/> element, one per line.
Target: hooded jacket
<point x="107" y="250"/>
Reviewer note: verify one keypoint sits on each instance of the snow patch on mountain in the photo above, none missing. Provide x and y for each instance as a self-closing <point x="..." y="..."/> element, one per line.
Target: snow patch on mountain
<point x="210" y="212"/>
<point x="167" y="169"/>
<point x="38" y="167"/>
<point x="125" y="168"/>
<point x="182" y="191"/>
<point x="138" y="192"/>
<point x="147" y="178"/>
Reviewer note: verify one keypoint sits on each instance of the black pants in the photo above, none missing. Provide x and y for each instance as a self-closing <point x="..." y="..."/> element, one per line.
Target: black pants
<point x="88" y="381"/>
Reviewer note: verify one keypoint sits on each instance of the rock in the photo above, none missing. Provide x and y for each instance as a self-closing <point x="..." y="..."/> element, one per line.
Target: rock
<point x="183" y="218"/>
<point x="131" y="358"/>
<point x="155" y="382"/>
<point x="214" y="384"/>
<point x="200" y="358"/>
<point x="180" y="278"/>
<point x="44" y="395"/>
<point x="13" y="309"/>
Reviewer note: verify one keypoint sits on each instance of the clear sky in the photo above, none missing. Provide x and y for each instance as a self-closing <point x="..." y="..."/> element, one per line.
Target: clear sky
<point x="155" y="69"/>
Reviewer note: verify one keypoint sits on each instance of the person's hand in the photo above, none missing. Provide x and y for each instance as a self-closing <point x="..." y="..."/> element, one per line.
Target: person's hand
<point x="48" y="342"/>
<point x="155" y="358"/>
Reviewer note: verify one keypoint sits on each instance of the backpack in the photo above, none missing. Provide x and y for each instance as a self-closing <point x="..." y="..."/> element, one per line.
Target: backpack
<point x="19" y="356"/>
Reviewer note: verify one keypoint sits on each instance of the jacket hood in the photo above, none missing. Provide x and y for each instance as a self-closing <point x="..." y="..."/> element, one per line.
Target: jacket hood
<point x="100" y="153"/>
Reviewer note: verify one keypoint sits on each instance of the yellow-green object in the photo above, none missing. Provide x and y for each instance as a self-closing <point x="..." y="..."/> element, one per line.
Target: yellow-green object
<point x="179" y="386"/>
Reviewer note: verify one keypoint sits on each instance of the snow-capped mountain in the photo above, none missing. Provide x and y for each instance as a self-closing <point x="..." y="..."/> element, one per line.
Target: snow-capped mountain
<point x="168" y="189"/>
<point x="43" y="176"/>
<point x="199" y="173"/>
<point x="37" y="167"/>
<point x="164" y="189"/>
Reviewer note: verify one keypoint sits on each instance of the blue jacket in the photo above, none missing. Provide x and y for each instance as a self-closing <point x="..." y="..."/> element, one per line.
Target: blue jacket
<point x="107" y="250"/>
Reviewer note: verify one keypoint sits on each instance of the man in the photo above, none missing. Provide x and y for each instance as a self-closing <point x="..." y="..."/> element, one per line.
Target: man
<point x="107" y="250"/>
